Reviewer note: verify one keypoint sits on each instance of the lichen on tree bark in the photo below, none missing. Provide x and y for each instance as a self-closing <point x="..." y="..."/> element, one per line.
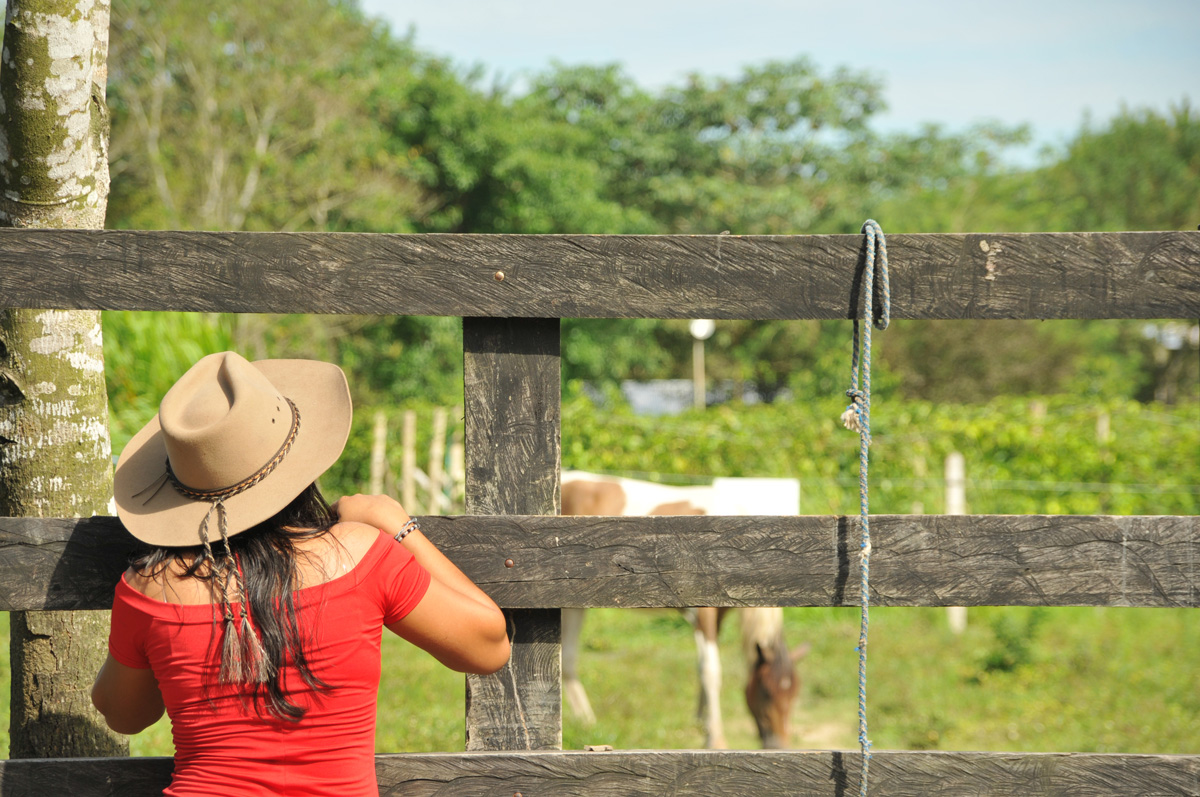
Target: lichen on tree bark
<point x="54" y="136"/>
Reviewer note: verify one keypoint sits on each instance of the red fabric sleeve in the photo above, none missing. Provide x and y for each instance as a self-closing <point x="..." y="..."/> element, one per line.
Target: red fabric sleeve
<point x="403" y="583"/>
<point x="128" y="630"/>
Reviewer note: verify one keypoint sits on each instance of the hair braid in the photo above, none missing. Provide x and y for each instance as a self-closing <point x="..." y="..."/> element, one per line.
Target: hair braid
<point x="242" y="656"/>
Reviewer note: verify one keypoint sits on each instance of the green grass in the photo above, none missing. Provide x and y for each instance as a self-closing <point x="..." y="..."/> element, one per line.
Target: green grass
<point x="1019" y="679"/>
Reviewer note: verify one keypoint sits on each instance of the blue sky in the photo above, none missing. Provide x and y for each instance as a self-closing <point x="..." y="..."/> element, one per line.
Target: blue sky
<point x="1043" y="63"/>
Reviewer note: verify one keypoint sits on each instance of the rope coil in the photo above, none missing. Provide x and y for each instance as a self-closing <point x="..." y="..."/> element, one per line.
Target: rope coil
<point x="876" y="311"/>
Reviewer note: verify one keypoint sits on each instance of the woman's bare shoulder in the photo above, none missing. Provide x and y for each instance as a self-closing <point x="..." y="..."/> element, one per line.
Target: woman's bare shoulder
<point x="335" y="553"/>
<point x="142" y="582"/>
<point x="355" y="538"/>
<point x="168" y="584"/>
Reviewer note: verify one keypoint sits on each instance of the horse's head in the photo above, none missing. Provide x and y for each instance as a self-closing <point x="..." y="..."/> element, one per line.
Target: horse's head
<point x="772" y="689"/>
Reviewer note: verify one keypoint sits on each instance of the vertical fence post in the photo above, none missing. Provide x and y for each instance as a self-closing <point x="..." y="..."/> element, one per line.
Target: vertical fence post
<point x="956" y="504"/>
<point x="511" y="372"/>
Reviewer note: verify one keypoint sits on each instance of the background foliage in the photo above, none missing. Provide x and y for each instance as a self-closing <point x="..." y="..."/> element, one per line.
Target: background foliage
<point x="1051" y="456"/>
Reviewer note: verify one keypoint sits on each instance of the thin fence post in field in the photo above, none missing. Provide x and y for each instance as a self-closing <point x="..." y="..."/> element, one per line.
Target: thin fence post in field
<point x="408" y="463"/>
<point x="956" y="504"/>
<point x="437" y="460"/>
<point x="1037" y="416"/>
<point x="1104" y="434"/>
<point x="378" y="453"/>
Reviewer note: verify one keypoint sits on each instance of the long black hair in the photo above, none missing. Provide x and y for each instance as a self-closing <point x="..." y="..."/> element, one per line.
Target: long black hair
<point x="258" y="568"/>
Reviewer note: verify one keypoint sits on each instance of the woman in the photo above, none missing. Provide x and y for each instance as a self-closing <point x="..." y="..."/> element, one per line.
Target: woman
<point x="254" y="618"/>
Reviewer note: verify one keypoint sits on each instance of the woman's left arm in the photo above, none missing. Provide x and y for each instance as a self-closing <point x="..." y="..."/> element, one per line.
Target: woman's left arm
<point x="128" y="697"/>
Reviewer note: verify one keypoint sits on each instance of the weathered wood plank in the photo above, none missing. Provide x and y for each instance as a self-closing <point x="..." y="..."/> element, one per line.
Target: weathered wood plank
<point x="690" y="773"/>
<point x="763" y="774"/>
<point x="512" y="397"/>
<point x="1007" y="275"/>
<point x="917" y="560"/>
<point x="61" y="563"/>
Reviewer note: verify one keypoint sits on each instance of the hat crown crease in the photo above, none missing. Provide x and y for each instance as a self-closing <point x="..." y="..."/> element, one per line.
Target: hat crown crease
<point x="222" y="423"/>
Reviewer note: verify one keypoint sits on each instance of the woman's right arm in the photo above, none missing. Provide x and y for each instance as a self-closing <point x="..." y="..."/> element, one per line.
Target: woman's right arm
<point x="456" y="621"/>
<point x="127" y="697"/>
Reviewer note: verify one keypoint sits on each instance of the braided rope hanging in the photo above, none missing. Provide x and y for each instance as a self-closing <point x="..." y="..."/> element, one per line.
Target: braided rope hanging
<point x="876" y="311"/>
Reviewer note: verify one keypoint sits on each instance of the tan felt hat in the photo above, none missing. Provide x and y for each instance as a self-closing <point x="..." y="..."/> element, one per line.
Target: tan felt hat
<point x="241" y="437"/>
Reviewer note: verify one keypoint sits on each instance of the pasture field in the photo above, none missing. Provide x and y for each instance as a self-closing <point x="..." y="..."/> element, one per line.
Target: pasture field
<point x="1019" y="679"/>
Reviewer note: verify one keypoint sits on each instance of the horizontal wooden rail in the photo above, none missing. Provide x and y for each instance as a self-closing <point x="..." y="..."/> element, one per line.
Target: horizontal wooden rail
<point x="694" y="773"/>
<point x="811" y="560"/>
<point x="1005" y="275"/>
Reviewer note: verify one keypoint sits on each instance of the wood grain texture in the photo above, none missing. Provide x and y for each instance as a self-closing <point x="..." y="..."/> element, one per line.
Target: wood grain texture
<point x="61" y="563"/>
<point x="1009" y="275"/>
<point x="765" y="774"/>
<point x="693" y="773"/>
<point x="917" y="560"/>
<point x="512" y="396"/>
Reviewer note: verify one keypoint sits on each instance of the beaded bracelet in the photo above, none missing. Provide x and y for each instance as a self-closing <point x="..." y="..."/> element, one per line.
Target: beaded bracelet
<point x="409" y="526"/>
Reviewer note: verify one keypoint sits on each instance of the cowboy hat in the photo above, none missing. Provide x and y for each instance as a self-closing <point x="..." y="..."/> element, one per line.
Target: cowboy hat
<point x="231" y="436"/>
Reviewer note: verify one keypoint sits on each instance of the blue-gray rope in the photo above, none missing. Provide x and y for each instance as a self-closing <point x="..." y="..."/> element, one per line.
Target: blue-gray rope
<point x="876" y="311"/>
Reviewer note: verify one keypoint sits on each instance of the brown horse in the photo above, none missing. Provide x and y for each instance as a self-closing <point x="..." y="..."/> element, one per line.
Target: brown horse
<point x="771" y="683"/>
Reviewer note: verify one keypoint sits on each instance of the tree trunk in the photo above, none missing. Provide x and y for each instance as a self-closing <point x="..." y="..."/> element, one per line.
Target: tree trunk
<point x="55" y="455"/>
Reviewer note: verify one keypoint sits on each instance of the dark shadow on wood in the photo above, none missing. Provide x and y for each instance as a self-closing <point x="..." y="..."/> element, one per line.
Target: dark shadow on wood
<point x="844" y="525"/>
<point x="93" y="552"/>
<point x="837" y="773"/>
<point x="508" y="336"/>
<point x="61" y="563"/>
<point x="856" y="282"/>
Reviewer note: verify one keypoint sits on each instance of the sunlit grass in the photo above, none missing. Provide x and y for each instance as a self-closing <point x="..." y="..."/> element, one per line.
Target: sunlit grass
<point x="1018" y="679"/>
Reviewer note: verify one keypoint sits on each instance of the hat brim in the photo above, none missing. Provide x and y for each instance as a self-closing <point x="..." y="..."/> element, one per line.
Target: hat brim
<point x="155" y="513"/>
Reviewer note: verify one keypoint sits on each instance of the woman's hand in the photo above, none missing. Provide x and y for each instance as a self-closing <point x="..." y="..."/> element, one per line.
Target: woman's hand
<point x="380" y="511"/>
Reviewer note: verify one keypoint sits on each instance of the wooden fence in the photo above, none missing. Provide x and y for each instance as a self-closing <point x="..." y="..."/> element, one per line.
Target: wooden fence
<point x="510" y="291"/>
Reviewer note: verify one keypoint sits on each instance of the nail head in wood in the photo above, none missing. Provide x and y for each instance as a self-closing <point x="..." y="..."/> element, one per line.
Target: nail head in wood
<point x="509" y="563"/>
<point x="498" y="276"/>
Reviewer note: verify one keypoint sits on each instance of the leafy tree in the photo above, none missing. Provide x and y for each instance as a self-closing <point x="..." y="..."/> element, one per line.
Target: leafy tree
<point x="752" y="154"/>
<point x="1138" y="173"/>
<point x="969" y="362"/>
<point x="782" y="148"/>
<point x="249" y="116"/>
<point x="486" y="163"/>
